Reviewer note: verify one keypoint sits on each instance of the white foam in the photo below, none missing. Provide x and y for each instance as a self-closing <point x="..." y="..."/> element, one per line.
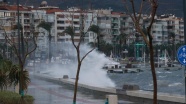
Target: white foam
<point x="175" y="84"/>
<point x="91" y="72"/>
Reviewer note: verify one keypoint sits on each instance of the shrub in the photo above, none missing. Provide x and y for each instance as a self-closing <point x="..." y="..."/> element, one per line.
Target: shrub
<point x="8" y="97"/>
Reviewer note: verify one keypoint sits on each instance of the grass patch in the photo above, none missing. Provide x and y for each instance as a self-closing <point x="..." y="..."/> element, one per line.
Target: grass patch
<point x="8" y="97"/>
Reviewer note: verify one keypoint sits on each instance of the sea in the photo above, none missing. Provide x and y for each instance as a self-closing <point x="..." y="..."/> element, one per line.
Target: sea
<point x="169" y="81"/>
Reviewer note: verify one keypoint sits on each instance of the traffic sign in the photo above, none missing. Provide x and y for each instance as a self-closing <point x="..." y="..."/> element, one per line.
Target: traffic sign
<point x="181" y="55"/>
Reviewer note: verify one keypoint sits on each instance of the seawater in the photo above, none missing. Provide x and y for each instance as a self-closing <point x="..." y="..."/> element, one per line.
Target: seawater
<point x="172" y="81"/>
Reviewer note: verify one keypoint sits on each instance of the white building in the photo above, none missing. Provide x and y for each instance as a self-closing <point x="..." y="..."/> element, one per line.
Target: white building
<point x="80" y="20"/>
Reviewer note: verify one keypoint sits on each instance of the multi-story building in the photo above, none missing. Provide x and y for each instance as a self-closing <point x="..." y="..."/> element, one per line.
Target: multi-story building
<point x="111" y="24"/>
<point x="104" y="23"/>
<point x="80" y="20"/>
<point x="9" y="12"/>
<point x="166" y="29"/>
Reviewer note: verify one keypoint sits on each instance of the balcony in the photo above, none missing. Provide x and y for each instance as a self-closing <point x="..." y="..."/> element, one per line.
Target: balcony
<point x="115" y="27"/>
<point x="115" y="33"/>
<point x="115" y="21"/>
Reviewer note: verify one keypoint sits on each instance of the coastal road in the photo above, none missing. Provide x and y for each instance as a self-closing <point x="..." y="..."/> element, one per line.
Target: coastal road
<point x="50" y="93"/>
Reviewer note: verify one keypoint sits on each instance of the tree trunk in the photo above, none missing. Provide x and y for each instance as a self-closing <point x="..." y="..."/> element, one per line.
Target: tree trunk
<point x="21" y="91"/>
<point x="49" y="50"/>
<point x="76" y="82"/>
<point x="153" y="71"/>
<point x="98" y="42"/>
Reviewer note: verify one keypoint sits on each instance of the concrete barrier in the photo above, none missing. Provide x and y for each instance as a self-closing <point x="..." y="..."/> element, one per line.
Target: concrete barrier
<point x="131" y="87"/>
<point x="129" y="92"/>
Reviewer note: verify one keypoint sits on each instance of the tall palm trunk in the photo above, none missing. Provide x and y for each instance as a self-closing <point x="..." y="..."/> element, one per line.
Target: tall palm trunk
<point x="98" y="42"/>
<point x="49" y="50"/>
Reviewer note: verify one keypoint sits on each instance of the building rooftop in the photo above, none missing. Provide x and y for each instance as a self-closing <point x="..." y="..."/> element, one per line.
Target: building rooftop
<point x="49" y="11"/>
<point x="14" y="8"/>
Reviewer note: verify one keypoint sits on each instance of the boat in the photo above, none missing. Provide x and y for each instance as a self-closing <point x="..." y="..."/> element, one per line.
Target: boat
<point x="115" y="67"/>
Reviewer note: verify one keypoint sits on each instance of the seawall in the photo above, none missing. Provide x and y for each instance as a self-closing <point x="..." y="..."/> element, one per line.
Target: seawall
<point x="137" y="96"/>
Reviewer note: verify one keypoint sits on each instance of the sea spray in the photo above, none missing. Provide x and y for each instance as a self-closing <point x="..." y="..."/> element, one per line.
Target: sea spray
<point x="91" y="70"/>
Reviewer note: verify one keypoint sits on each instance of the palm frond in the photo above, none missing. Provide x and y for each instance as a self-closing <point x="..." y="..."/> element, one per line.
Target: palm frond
<point x="26" y="80"/>
<point x="14" y="75"/>
<point x="47" y="26"/>
<point x="3" y="80"/>
<point x="70" y="31"/>
<point x="95" y="29"/>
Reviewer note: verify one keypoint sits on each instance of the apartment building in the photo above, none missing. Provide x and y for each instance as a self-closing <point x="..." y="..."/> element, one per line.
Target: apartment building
<point x="167" y="29"/>
<point x="80" y="20"/>
<point x="29" y="19"/>
<point x="104" y="23"/>
<point x="112" y="24"/>
<point x="8" y="18"/>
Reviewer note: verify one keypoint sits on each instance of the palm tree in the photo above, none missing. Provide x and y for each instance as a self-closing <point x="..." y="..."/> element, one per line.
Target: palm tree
<point x="3" y="76"/>
<point x="121" y="39"/>
<point x="172" y="40"/>
<point x="9" y="75"/>
<point x="3" y="48"/>
<point x="47" y="26"/>
<point x="96" y="29"/>
<point x="14" y="73"/>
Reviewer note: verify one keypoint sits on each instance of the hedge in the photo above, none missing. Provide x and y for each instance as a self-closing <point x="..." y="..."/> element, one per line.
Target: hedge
<point x="8" y="97"/>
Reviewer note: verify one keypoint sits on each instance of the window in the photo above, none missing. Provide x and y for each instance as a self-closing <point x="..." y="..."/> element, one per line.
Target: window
<point x="26" y="21"/>
<point x="7" y="14"/>
<point x="60" y="28"/>
<point x="76" y="23"/>
<point x="60" y="16"/>
<point x="1" y="14"/>
<point x="76" y="28"/>
<point x="26" y="15"/>
<point x="76" y="17"/>
<point x="159" y="37"/>
<point x="60" y="22"/>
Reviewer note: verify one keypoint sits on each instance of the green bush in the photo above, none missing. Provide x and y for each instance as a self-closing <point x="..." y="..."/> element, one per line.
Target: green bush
<point x="7" y="97"/>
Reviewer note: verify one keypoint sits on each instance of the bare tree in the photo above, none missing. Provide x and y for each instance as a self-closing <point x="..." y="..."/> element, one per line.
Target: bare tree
<point x="70" y="30"/>
<point x="152" y="6"/>
<point x="28" y="45"/>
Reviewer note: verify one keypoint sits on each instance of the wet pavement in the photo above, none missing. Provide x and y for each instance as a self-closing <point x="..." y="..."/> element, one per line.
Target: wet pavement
<point x="49" y="93"/>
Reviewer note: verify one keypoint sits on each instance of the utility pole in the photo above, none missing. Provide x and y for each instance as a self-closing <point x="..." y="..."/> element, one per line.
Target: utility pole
<point x="18" y="27"/>
<point x="20" y="47"/>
